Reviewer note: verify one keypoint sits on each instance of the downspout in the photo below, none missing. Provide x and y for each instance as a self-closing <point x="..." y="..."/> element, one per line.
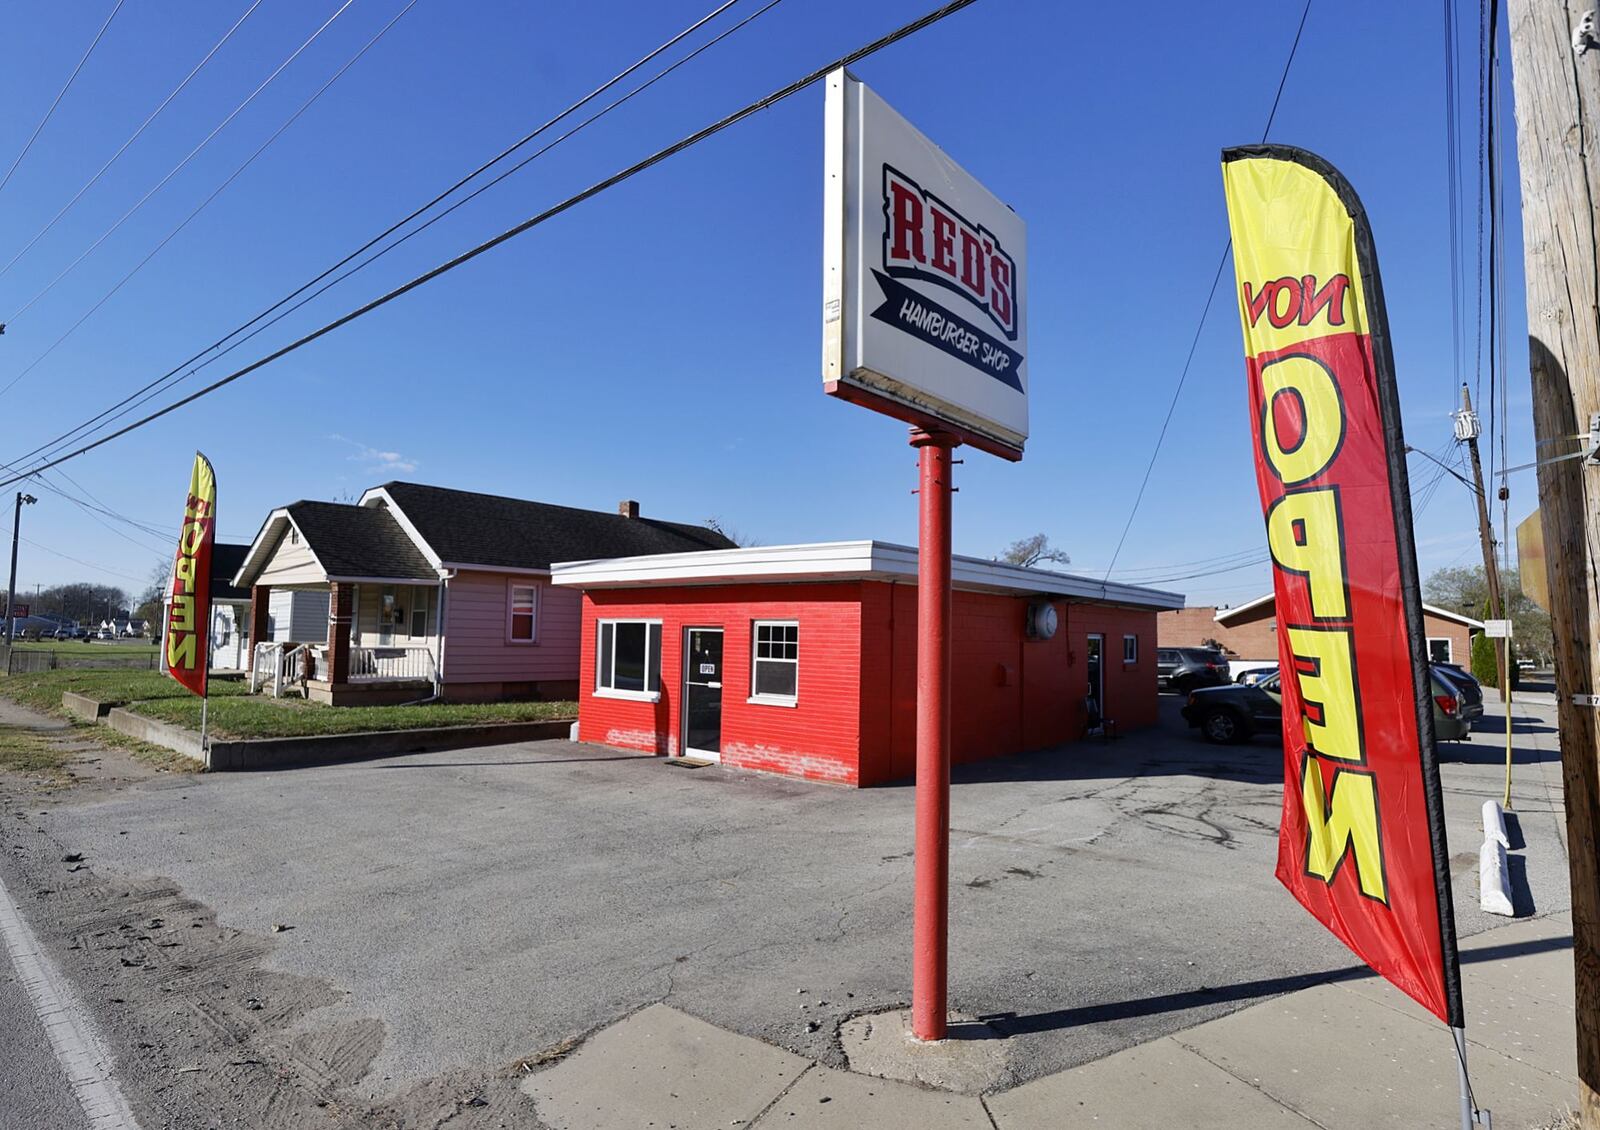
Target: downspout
<point x="445" y="575"/>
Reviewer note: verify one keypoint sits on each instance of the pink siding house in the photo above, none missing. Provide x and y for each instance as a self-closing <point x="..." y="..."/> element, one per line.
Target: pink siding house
<point x="431" y="591"/>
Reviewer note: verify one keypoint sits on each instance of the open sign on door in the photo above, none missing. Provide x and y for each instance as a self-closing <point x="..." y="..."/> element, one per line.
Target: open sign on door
<point x="708" y="668"/>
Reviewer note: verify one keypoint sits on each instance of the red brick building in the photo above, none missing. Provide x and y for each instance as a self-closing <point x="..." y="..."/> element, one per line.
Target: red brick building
<point x="1249" y="631"/>
<point x="802" y="659"/>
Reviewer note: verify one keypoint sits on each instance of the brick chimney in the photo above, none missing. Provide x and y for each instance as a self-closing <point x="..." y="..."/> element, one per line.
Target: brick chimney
<point x="628" y="508"/>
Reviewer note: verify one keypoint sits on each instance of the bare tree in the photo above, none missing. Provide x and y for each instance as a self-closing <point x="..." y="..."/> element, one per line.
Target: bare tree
<point x="1031" y="551"/>
<point x="732" y="533"/>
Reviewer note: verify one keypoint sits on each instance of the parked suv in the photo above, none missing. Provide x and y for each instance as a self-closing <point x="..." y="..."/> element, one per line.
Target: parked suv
<point x="1183" y="669"/>
<point x="1236" y="713"/>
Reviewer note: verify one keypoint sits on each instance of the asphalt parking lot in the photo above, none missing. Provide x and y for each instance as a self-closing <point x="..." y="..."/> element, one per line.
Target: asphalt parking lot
<point x="457" y="911"/>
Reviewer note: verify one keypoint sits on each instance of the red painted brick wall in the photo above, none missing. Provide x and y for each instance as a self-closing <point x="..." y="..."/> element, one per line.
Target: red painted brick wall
<point x="1130" y="687"/>
<point x="1009" y="694"/>
<point x="856" y="718"/>
<point x="817" y="739"/>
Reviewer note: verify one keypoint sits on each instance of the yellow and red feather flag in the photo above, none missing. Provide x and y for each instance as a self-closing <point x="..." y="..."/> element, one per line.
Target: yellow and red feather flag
<point x="1362" y="841"/>
<point x="188" y="629"/>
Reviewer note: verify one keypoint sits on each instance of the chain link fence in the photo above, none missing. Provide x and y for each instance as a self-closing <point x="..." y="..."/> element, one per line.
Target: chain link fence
<point x="29" y="661"/>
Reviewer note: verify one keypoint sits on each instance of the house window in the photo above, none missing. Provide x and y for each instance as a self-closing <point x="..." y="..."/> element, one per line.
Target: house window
<point x="388" y="615"/>
<point x="775" y="665"/>
<point x="419" y="613"/>
<point x="524" y="613"/>
<point x="628" y="658"/>
<point x="1440" y="650"/>
<point x="1130" y="649"/>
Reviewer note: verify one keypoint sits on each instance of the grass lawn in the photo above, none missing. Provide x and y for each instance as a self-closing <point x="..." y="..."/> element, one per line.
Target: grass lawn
<point x="107" y="648"/>
<point x="43" y="690"/>
<point x="238" y="716"/>
<point x="25" y="751"/>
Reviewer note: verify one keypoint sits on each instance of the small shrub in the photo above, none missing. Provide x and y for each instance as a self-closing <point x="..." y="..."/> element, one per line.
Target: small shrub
<point x="1483" y="668"/>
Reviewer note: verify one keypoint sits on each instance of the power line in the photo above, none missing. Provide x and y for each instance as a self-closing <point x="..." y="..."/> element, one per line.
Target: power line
<point x="1254" y="556"/>
<point x="216" y="192"/>
<point x="474" y="194"/>
<point x="1491" y="121"/>
<point x="85" y="564"/>
<point x="548" y="214"/>
<point x="1205" y="311"/>
<point x="1219" y="559"/>
<point x="28" y="305"/>
<point x="62" y="93"/>
<point x="1258" y="557"/>
<point x="95" y="513"/>
<point x="1504" y="423"/>
<point x="161" y="531"/>
<point x="148" y="391"/>
<point x="1453" y="183"/>
<point x="1482" y="130"/>
<point x="121" y="149"/>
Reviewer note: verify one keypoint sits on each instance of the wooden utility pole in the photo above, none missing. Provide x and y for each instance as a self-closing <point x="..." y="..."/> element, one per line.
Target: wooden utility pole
<point x="1467" y="428"/>
<point x="1556" y="79"/>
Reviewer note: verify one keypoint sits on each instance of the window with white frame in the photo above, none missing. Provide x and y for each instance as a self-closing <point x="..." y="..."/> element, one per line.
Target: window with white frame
<point x="419" y="613"/>
<point x="775" y="661"/>
<point x="1130" y="649"/>
<point x="1440" y="649"/>
<point x="628" y="658"/>
<point x="524" y="613"/>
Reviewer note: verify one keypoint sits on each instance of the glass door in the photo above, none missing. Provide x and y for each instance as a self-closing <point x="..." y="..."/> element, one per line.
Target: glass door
<point x="702" y="693"/>
<point x="1096" y="672"/>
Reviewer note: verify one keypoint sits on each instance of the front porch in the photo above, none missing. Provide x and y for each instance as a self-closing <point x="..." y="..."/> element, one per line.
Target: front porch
<point x="378" y="676"/>
<point x="380" y="646"/>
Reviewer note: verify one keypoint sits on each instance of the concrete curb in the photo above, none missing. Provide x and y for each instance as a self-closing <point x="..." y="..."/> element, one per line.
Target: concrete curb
<point x="175" y="738"/>
<point x="85" y="707"/>
<point x="327" y="749"/>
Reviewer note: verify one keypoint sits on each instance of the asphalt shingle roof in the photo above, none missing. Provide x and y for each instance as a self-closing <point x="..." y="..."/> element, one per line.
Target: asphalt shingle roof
<point x="226" y="558"/>
<point x="466" y="528"/>
<point x="359" y="541"/>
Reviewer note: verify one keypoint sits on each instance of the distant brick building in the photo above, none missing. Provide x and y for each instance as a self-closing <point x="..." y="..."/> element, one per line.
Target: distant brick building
<point x="1249" y="631"/>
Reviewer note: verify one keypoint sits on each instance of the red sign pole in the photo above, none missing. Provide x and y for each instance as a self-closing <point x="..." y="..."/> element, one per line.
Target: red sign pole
<point x="930" y="922"/>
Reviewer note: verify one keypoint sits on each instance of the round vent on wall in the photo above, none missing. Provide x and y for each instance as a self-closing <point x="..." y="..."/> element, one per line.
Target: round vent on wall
<point x="1042" y="620"/>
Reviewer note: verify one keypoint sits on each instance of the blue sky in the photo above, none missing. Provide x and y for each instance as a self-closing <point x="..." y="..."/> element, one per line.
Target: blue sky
<point x="662" y="341"/>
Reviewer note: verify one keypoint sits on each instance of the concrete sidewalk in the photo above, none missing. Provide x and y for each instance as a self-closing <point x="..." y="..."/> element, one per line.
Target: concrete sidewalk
<point x="1348" y="1054"/>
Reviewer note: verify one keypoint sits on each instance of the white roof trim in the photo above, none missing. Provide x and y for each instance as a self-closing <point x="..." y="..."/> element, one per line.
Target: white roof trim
<point x="837" y="561"/>
<point x="1445" y="614"/>
<point x="266" y="540"/>
<point x="376" y="494"/>
<point x="458" y="566"/>
<point x="1225" y="614"/>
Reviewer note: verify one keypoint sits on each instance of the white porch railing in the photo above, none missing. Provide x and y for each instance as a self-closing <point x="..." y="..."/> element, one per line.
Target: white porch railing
<point x="265" y="660"/>
<point x="281" y="666"/>
<point x="391" y="664"/>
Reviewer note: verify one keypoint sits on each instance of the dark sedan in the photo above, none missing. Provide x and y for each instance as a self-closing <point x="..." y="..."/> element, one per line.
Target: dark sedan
<point x="1182" y="669"/>
<point x="1236" y="713"/>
